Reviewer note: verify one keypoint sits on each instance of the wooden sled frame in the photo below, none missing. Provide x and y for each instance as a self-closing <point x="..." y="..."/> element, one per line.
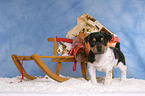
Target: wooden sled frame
<point x="44" y="68"/>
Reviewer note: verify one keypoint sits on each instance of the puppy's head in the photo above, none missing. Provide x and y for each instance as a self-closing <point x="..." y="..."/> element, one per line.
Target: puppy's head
<point x="98" y="41"/>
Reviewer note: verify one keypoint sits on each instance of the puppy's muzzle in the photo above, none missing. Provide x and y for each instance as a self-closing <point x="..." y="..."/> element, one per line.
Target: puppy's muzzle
<point x="99" y="48"/>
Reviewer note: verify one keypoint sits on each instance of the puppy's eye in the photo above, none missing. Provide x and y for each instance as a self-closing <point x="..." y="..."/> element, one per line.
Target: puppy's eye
<point x="94" y="39"/>
<point x="102" y="39"/>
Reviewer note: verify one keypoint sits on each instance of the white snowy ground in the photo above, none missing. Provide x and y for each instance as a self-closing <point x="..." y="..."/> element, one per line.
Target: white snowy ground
<point x="71" y="87"/>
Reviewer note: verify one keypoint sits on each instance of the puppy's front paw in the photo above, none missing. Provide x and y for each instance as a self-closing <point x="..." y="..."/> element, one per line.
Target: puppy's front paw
<point x="94" y="82"/>
<point x="107" y="81"/>
<point x="123" y="80"/>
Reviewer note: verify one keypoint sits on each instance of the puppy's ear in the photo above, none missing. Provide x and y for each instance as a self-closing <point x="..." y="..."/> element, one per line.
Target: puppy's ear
<point x="87" y="38"/>
<point x="108" y="36"/>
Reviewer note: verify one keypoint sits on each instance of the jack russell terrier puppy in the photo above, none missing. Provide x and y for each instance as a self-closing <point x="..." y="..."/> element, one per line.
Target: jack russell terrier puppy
<point x="104" y="58"/>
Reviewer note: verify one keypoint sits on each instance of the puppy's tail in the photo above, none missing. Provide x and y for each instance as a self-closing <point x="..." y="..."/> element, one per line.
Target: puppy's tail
<point x="117" y="45"/>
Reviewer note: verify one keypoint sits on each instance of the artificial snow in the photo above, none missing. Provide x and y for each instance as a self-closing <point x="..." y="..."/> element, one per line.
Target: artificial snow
<point x="70" y="87"/>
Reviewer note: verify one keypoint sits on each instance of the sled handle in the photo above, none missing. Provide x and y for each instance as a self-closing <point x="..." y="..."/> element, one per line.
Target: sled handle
<point x="54" y="45"/>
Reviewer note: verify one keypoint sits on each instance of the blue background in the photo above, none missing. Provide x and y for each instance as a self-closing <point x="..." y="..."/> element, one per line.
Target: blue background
<point x="25" y="26"/>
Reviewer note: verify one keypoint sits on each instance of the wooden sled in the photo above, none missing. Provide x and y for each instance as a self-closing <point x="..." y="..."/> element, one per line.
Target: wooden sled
<point x="55" y="58"/>
<point x="43" y="66"/>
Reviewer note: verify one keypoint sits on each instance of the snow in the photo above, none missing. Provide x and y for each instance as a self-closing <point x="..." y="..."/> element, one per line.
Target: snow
<point x="74" y="86"/>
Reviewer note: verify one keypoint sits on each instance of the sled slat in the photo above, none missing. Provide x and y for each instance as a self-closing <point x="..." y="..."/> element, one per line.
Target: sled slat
<point x="51" y="39"/>
<point x="62" y="60"/>
<point x="57" y="57"/>
<point x="27" y="58"/>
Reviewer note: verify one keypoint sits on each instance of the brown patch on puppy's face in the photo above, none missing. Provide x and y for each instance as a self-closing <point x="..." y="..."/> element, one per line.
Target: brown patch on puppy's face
<point x="98" y="49"/>
<point x="98" y="42"/>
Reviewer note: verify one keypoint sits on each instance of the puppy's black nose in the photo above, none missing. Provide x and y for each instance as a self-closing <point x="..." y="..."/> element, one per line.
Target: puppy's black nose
<point x="99" y="48"/>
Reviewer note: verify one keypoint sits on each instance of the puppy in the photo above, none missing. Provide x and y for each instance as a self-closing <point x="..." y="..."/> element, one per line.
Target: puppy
<point x="104" y="58"/>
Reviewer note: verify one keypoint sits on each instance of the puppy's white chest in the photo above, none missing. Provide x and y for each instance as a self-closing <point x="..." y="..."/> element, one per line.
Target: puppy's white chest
<point x="101" y="65"/>
<point x="104" y="61"/>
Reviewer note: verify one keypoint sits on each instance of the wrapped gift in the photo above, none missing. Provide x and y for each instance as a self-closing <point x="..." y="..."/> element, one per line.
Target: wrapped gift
<point x="87" y="24"/>
<point x="64" y="48"/>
